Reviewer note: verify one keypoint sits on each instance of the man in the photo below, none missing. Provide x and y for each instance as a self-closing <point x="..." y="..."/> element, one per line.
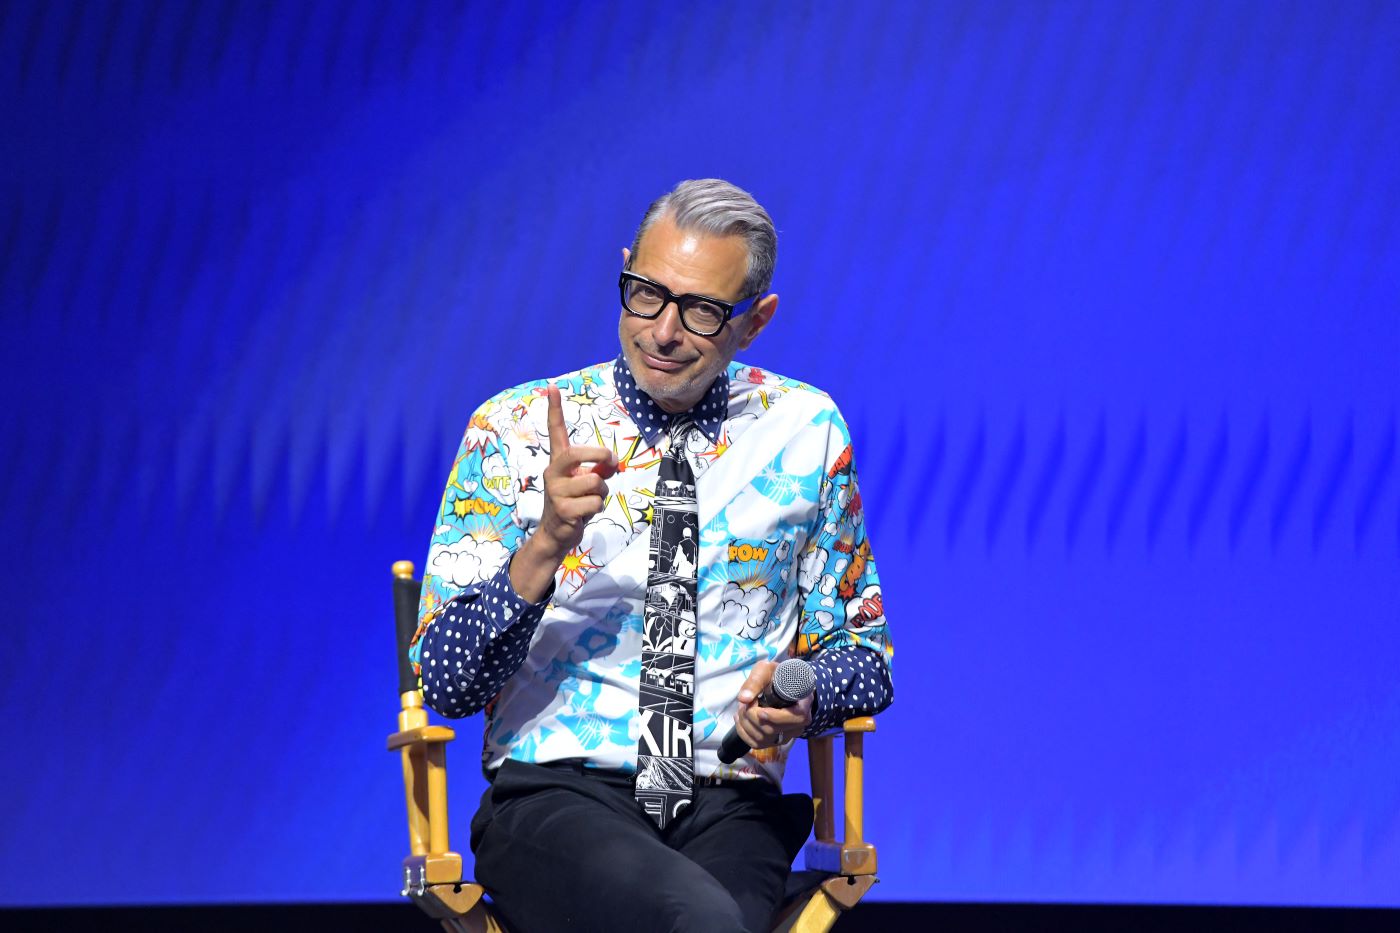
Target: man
<point x="622" y="554"/>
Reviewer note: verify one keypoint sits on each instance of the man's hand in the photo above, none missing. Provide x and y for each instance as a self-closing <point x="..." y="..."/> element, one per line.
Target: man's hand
<point x="762" y="726"/>
<point x="574" y="491"/>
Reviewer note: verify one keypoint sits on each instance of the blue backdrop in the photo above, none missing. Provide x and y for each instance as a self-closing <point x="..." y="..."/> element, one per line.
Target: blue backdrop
<point x="1108" y="291"/>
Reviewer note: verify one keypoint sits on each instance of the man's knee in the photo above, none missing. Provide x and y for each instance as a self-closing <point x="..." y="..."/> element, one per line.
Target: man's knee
<point x="673" y="893"/>
<point x="710" y="912"/>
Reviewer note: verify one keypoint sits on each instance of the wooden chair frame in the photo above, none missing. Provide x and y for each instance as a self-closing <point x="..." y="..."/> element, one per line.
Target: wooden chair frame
<point x="841" y="870"/>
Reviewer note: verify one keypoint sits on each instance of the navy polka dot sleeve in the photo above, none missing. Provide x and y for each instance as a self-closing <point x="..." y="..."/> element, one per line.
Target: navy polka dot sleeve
<point x="476" y="644"/>
<point x="851" y="681"/>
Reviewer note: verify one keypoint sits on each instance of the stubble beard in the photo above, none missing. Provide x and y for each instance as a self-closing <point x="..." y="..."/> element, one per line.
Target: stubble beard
<point x="682" y="393"/>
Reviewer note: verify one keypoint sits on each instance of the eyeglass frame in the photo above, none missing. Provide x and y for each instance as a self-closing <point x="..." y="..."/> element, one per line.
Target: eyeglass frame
<point x="732" y="309"/>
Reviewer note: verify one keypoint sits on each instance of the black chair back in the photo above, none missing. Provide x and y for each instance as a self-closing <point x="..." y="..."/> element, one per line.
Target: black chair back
<point x="406" y="592"/>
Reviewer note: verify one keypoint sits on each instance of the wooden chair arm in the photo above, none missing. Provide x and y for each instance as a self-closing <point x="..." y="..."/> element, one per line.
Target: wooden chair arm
<point x="858" y="724"/>
<point x="423" y="735"/>
<point x="423" y="749"/>
<point x="432" y="873"/>
<point x="851" y="855"/>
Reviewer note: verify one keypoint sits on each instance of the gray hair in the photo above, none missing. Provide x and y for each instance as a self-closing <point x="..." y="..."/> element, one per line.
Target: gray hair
<point x="715" y="207"/>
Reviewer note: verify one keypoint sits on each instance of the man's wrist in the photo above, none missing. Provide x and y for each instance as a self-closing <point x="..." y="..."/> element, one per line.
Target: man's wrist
<point x="532" y="569"/>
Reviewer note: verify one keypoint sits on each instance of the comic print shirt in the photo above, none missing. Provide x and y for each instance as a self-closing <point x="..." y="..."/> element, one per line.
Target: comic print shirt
<point x="785" y="569"/>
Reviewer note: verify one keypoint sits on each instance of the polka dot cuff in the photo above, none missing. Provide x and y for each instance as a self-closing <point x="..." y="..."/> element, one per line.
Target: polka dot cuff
<point x="851" y="681"/>
<point x="476" y="644"/>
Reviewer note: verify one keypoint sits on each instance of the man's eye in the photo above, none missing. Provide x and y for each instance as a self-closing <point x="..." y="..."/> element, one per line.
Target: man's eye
<point x="704" y="311"/>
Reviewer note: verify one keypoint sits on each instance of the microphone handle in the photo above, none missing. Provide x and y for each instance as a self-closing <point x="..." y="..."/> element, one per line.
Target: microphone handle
<point x="734" y="747"/>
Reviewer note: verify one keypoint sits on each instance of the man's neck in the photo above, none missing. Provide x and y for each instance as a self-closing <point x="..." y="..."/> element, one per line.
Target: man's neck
<point x="677" y="408"/>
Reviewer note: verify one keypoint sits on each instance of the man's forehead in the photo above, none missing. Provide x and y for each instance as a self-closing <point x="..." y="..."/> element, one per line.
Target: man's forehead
<point x="687" y="242"/>
<point x="667" y="250"/>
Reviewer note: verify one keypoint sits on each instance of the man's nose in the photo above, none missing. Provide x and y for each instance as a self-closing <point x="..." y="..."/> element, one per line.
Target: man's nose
<point x="667" y="328"/>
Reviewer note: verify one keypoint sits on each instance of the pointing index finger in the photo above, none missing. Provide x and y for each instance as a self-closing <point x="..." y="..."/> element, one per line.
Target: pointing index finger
<point x="558" y="435"/>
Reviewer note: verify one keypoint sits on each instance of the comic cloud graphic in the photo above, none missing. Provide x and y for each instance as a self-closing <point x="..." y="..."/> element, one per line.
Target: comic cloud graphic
<point x="866" y="610"/>
<point x="468" y="561"/>
<point x="813" y="575"/>
<point x="752" y="608"/>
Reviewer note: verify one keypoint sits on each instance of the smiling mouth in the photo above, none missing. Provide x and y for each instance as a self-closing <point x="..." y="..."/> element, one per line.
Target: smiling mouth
<point x="664" y="365"/>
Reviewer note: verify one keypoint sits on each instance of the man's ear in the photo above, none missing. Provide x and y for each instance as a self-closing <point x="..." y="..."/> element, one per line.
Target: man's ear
<point x="757" y="318"/>
<point x="626" y="255"/>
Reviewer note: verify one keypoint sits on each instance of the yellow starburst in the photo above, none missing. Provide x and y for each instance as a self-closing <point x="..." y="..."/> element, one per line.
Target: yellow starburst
<point x="487" y="532"/>
<point x="645" y="515"/>
<point x="757" y="574"/>
<point x="624" y="461"/>
<point x="576" y="566"/>
<point x="621" y="499"/>
<point x="720" y="447"/>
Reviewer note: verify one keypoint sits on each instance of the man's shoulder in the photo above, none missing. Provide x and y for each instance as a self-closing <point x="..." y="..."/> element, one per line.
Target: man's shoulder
<point x="747" y="381"/>
<point x="742" y="375"/>
<point x="755" y="393"/>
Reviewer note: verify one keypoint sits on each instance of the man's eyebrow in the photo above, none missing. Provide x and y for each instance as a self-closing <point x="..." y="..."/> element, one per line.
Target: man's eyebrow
<point x="655" y="281"/>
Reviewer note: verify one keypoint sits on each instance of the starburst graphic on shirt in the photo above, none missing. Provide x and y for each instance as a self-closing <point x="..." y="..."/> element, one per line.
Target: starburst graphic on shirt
<point x="747" y="575"/>
<point x="625" y="461"/>
<point x="522" y="429"/>
<point x="427" y="611"/>
<point x="487" y="530"/>
<point x="576" y="566"/>
<point x="479" y="524"/>
<point x="645" y="514"/>
<point x="718" y="450"/>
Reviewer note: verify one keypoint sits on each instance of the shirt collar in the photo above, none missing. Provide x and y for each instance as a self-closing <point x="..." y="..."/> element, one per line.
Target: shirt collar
<point x="708" y="414"/>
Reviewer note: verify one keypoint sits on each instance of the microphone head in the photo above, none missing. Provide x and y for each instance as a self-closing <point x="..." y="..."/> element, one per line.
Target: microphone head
<point x="793" y="680"/>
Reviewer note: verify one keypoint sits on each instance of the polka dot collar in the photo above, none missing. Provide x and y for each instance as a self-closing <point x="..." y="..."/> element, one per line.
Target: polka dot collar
<point x="708" y="414"/>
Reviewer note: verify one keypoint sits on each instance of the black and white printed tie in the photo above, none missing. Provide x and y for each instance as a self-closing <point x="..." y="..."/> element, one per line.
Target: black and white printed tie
<point x="665" y="757"/>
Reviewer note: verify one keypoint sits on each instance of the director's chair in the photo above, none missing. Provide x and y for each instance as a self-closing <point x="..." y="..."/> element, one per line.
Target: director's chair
<point x="838" y="871"/>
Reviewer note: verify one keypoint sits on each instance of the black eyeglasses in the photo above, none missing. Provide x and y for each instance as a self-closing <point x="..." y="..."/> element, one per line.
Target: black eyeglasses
<point x="700" y="314"/>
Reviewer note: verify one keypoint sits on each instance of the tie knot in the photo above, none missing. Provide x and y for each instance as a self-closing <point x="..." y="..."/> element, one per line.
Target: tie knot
<point x="679" y="430"/>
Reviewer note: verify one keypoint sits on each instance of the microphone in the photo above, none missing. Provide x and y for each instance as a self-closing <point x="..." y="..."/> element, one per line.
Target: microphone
<point x="793" y="681"/>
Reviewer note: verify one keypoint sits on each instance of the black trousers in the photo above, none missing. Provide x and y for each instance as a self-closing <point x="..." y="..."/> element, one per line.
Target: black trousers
<point x="560" y="848"/>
